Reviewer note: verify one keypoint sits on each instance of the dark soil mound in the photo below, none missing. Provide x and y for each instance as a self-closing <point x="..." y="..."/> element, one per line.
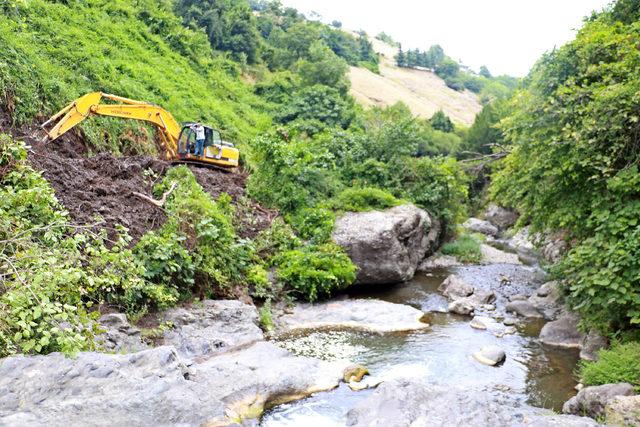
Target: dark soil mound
<point x="103" y="185"/>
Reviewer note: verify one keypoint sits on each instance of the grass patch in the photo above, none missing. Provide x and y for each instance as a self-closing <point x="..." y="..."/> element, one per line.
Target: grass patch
<point x="363" y="199"/>
<point x="466" y="248"/>
<point x="621" y="363"/>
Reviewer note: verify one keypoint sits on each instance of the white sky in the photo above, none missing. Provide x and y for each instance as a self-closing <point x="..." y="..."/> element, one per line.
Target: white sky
<point x="507" y="36"/>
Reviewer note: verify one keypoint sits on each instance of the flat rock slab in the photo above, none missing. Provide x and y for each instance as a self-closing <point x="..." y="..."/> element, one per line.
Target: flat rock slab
<point x="360" y="314"/>
<point x="155" y="387"/>
<point x="404" y="402"/>
<point x="211" y="327"/>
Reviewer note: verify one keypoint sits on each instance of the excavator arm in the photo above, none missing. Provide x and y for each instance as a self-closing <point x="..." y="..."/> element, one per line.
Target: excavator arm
<point x="83" y="107"/>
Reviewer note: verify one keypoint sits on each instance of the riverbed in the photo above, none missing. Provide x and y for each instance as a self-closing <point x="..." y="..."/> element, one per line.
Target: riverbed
<point x="442" y="354"/>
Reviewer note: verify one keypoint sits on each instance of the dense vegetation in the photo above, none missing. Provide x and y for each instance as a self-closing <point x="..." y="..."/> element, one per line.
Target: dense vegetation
<point x="275" y="83"/>
<point x="574" y="164"/>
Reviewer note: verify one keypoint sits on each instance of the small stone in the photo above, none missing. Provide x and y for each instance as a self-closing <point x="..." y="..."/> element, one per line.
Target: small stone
<point x="454" y="287"/>
<point x="509" y="321"/>
<point x="510" y="330"/>
<point x="354" y="373"/>
<point x="476" y="323"/>
<point x="489" y="307"/>
<point x="579" y="386"/>
<point x="543" y="291"/>
<point x="490" y="355"/>
<point x="498" y="334"/>
<point x="517" y="297"/>
<point x="501" y="387"/>
<point x="461" y="306"/>
<point x="369" y="382"/>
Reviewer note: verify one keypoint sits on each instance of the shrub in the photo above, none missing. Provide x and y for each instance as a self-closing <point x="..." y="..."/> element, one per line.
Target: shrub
<point x="621" y="363"/>
<point x="315" y="272"/>
<point x="466" y="248"/>
<point x="314" y="224"/>
<point x="363" y="199"/>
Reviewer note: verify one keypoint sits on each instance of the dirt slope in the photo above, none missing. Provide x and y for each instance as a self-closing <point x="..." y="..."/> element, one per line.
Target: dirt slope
<point x="423" y="91"/>
<point x="103" y="185"/>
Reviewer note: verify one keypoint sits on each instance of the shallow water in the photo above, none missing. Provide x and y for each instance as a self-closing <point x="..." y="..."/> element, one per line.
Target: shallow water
<point x="442" y="354"/>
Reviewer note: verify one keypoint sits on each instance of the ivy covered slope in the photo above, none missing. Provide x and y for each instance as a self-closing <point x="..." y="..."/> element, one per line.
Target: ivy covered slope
<point x="574" y="163"/>
<point x="53" y="52"/>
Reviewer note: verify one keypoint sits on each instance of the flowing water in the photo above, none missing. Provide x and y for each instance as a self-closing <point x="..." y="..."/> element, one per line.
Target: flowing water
<point x="535" y="374"/>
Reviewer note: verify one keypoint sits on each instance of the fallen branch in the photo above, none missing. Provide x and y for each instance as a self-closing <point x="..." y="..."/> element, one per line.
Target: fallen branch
<point x="159" y="203"/>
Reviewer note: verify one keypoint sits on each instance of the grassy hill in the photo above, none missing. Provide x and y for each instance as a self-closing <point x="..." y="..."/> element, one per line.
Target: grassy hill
<point x="422" y="91"/>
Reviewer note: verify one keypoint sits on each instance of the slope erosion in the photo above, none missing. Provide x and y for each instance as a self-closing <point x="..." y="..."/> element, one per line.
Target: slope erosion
<point x="423" y="91"/>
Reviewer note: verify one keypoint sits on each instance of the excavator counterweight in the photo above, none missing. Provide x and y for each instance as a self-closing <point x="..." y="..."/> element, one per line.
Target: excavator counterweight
<point x="178" y="141"/>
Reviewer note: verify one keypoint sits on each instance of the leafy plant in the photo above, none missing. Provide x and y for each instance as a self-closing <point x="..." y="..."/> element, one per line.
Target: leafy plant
<point x="620" y="363"/>
<point x="465" y="248"/>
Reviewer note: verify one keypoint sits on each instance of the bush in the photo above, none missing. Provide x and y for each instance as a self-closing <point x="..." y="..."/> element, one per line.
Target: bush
<point x="466" y="248"/>
<point x="316" y="272"/>
<point x="314" y="224"/>
<point x="363" y="199"/>
<point x="621" y="363"/>
<point x="52" y="273"/>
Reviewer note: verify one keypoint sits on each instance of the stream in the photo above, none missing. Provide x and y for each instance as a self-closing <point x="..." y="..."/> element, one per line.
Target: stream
<point x="442" y="354"/>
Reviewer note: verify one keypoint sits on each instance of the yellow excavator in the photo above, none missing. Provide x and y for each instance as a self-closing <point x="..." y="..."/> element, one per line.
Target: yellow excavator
<point x="178" y="141"/>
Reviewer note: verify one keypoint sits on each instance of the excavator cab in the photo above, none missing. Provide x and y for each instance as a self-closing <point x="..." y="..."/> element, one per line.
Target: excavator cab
<point x="215" y="149"/>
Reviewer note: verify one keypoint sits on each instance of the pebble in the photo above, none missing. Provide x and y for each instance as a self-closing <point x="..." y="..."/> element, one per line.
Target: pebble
<point x="477" y="324"/>
<point x="490" y="355"/>
<point x="510" y="330"/>
<point x="509" y="321"/>
<point x="489" y="307"/>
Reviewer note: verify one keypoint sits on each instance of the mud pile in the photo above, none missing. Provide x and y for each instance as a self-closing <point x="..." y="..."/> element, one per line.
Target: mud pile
<point x="102" y="186"/>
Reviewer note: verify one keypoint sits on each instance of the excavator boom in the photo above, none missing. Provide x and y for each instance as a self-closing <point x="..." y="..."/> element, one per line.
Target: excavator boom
<point x="168" y="128"/>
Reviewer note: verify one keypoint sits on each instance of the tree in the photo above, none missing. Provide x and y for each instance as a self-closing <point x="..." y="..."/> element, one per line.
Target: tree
<point x="447" y="68"/>
<point x="401" y="58"/>
<point x="440" y="121"/>
<point x="435" y="55"/>
<point x="484" y="134"/>
<point x="336" y="24"/>
<point x="484" y="72"/>
<point x="323" y="67"/>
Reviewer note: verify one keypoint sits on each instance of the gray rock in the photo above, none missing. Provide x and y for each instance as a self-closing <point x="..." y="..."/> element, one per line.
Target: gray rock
<point x="491" y="255"/>
<point x="454" y="288"/>
<point x="119" y="335"/>
<point x="385" y="246"/>
<point x="482" y="297"/>
<point x="554" y="246"/>
<point x="524" y="309"/>
<point x="461" y="306"/>
<point x="592" y="401"/>
<point x="562" y="332"/>
<point x="478" y="323"/>
<point x="509" y="321"/>
<point x="623" y="411"/>
<point x="402" y="402"/>
<point x="592" y="343"/>
<point x="479" y="226"/>
<point x="500" y="217"/>
<point x="212" y="327"/>
<point x="155" y="387"/>
<point x="547" y="300"/>
<point x="438" y="261"/>
<point x="360" y="314"/>
<point x="517" y="297"/>
<point x="490" y="355"/>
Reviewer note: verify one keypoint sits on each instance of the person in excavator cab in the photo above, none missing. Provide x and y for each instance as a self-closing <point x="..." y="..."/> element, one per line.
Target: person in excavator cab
<point x="200" y="139"/>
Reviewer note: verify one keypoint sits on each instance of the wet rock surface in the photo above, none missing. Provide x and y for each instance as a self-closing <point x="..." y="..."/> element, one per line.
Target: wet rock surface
<point x="358" y="314"/>
<point x="155" y="386"/>
<point x="623" y="411"/>
<point x="592" y="401"/>
<point x="490" y="355"/>
<point x="386" y="246"/>
<point x="407" y="402"/>
<point x="524" y="309"/>
<point x="211" y="327"/>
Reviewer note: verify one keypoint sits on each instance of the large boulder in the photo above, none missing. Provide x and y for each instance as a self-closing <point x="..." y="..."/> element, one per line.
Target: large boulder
<point x="386" y="246"/>
<point x="211" y="326"/>
<point x="360" y="314"/>
<point x="523" y="308"/>
<point x="592" y="401"/>
<point x="403" y="402"/>
<point x="500" y="217"/>
<point x="156" y="387"/>
<point x="592" y="343"/>
<point x="480" y="226"/>
<point x="454" y="287"/>
<point x="562" y="332"/>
